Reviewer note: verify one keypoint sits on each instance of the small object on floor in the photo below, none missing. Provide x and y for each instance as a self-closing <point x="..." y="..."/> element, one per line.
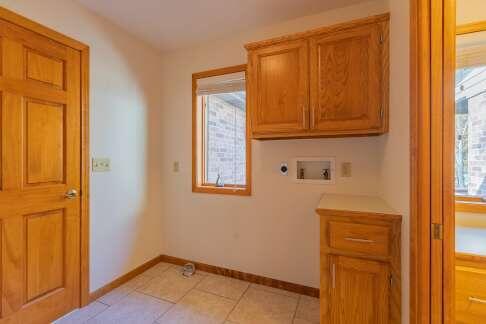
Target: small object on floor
<point x="188" y="269"/>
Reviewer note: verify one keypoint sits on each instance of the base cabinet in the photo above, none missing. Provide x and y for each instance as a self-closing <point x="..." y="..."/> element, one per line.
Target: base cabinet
<point x="359" y="291"/>
<point x="360" y="268"/>
<point x="470" y="289"/>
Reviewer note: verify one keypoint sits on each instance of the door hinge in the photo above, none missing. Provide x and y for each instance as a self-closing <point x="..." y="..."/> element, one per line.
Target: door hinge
<point x="381" y="112"/>
<point x="437" y="231"/>
<point x="382" y="39"/>
<point x="391" y="280"/>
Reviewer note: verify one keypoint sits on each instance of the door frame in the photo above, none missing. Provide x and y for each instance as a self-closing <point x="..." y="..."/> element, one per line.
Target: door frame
<point x="26" y="23"/>
<point x="432" y="75"/>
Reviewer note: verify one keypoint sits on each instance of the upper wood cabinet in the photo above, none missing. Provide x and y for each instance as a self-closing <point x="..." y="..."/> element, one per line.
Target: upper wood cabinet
<point x="279" y="87"/>
<point x="346" y="80"/>
<point x="331" y="81"/>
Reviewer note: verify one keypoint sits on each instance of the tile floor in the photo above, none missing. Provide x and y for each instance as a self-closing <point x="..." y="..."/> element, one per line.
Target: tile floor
<point x="162" y="295"/>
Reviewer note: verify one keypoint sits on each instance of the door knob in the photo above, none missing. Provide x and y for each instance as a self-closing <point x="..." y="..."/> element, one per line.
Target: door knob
<point x="71" y="194"/>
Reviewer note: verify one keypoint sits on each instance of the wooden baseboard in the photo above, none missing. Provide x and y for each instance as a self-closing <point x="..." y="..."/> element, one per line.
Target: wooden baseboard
<point x="122" y="279"/>
<point x="300" y="289"/>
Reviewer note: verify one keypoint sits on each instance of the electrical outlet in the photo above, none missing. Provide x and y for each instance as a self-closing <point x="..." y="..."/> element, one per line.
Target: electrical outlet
<point x="176" y="166"/>
<point x="101" y="165"/>
<point x="346" y="169"/>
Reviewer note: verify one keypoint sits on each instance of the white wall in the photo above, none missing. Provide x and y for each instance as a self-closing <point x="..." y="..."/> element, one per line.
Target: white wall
<point x="124" y="103"/>
<point x="395" y="157"/>
<point x="468" y="11"/>
<point x="275" y="232"/>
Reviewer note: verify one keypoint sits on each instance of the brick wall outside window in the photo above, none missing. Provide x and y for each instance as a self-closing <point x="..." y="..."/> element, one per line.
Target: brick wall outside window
<point x="225" y="141"/>
<point x="477" y="145"/>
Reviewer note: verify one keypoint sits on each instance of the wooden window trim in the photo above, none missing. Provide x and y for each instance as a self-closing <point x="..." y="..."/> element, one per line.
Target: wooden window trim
<point x="470" y="204"/>
<point x="201" y="187"/>
<point x="474" y="27"/>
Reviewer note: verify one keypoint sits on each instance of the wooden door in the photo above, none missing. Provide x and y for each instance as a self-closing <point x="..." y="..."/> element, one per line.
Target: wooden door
<point x="279" y="88"/>
<point x="358" y="291"/>
<point x="39" y="164"/>
<point x="347" y="81"/>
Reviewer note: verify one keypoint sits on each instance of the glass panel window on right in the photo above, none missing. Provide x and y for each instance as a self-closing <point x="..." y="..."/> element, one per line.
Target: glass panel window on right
<point x="470" y="118"/>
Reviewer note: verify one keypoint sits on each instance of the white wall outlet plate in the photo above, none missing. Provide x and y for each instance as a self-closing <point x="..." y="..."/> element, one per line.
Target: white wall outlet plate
<point x="101" y="165"/>
<point x="176" y="166"/>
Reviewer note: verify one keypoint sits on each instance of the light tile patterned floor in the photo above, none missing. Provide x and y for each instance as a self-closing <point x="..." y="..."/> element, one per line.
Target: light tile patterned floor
<point x="162" y="295"/>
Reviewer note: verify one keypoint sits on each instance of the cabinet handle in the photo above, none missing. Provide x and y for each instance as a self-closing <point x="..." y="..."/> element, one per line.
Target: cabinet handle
<point x="352" y="239"/>
<point x="312" y="119"/>
<point x="333" y="275"/>
<point x="477" y="300"/>
<point x="304" y="115"/>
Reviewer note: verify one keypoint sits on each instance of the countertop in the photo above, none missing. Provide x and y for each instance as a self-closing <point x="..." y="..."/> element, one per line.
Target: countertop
<point x="365" y="204"/>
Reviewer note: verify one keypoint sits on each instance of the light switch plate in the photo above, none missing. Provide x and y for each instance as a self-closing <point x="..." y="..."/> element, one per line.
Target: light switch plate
<point x="176" y="166"/>
<point x="101" y="165"/>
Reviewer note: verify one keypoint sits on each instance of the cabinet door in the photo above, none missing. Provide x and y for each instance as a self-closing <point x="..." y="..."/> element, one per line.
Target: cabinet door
<point x="358" y="291"/>
<point x="279" y="88"/>
<point x="348" y="81"/>
<point x="470" y="294"/>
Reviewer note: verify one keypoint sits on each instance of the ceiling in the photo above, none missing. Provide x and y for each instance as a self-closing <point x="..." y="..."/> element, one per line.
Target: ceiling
<point x="170" y="25"/>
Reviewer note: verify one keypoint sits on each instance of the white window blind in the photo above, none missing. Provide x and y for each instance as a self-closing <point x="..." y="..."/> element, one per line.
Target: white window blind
<point x="233" y="82"/>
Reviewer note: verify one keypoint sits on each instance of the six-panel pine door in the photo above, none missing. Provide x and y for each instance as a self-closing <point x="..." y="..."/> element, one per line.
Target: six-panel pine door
<point x="40" y="163"/>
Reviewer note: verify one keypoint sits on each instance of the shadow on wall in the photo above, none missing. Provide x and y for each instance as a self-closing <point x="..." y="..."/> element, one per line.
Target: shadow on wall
<point x="124" y="113"/>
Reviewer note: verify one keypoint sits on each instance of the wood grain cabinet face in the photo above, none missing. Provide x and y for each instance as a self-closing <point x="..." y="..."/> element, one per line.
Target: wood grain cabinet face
<point x="360" y="238"/>
<point x="470" y="294"/>
<point x="327" y="82"/>
<point x="279" y="88"/>
<point x="347" y="80"/>
<point x="360" y="267"/>
<point x="359" y="291"/>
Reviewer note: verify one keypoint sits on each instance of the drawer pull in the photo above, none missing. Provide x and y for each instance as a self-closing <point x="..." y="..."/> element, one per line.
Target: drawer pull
<point x="352" y="239"/>
<point x="477" y="300"/>
<point x="333" y="275"/>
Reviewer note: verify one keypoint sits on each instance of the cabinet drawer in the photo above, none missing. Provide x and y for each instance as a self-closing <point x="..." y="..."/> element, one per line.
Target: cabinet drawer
<point x="360" y="238"/>
<point x="470" y="294"/>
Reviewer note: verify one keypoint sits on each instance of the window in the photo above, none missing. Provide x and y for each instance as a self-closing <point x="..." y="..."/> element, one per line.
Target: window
<point x="221" y="145"/>
<point x="470" y="120"/>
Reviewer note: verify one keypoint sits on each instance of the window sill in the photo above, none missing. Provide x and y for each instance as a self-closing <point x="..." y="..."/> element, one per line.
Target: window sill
<point x="222" y="190"/>
<point x="478" y="207"/>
